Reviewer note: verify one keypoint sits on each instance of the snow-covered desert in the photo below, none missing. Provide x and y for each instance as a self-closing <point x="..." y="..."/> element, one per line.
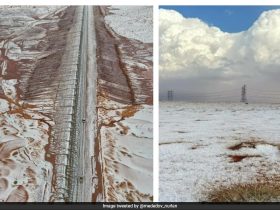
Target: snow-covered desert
<point x="209" y="150"/>
<point x="76" y="103"/>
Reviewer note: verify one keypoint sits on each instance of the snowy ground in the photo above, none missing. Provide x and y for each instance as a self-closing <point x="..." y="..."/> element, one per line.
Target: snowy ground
<point x="32" y="43"/>
<point x="200" y="147"/>
<point x="139" y="19"/>
<point x="127" y="153"/>
<point x="25" y="175"/>
<point x="39" y="49"/>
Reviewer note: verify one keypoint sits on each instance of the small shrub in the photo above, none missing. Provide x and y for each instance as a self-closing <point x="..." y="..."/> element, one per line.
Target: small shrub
<point x="255" y="192"/>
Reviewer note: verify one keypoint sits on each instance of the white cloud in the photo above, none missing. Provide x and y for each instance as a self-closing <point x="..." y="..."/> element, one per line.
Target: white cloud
<point x="189" y="48"/>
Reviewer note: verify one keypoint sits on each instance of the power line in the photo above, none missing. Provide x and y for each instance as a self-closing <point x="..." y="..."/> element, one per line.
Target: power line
<point x="267" y="91"/>
<point x="228" y="95"/>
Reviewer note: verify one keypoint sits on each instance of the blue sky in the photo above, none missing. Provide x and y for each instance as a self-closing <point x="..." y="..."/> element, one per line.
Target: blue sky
<point x="227" y="18"/>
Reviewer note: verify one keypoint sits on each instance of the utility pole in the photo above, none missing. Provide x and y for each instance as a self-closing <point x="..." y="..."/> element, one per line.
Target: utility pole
<point x="244" y="94"/>
<point x="170" y="95"/>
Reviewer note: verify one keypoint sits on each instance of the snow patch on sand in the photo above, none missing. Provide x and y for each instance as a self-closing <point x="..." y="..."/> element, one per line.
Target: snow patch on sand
<point x="9" y="89"/>
<point x="127" y="154"/>
<point x="25" y="174"/>
<point x="139" y="19"/>
<point x="140" y="124"/>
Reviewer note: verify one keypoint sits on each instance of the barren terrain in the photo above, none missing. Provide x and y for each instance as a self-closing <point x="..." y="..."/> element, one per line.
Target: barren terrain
<point x="75" y="104"/>
<point x="124" y="107"/>
<point x="210" y="149"/>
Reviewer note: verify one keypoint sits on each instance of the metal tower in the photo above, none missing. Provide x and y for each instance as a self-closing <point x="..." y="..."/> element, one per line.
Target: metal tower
<point x="170" y="95"/>
<point x="244" y="94"/>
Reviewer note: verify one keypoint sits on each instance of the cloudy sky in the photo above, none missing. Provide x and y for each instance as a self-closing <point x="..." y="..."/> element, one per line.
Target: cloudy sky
<point x="208" y="53"/>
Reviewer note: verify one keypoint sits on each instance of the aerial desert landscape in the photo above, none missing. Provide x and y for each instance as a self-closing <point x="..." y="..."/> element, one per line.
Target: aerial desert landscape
<point x="76" y="103"/>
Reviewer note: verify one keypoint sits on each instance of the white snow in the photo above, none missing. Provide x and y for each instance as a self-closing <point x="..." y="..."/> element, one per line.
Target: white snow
<point x="23" y="135"/>
<point x="194" y="147"/>
<point x="141" y="123"/>
<point x="268" y="150"/>
<point x="4" y="105"/>
<point x="134" y="22"/>
<point x="127" y="154"/>
<point x="9" y="89"/>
